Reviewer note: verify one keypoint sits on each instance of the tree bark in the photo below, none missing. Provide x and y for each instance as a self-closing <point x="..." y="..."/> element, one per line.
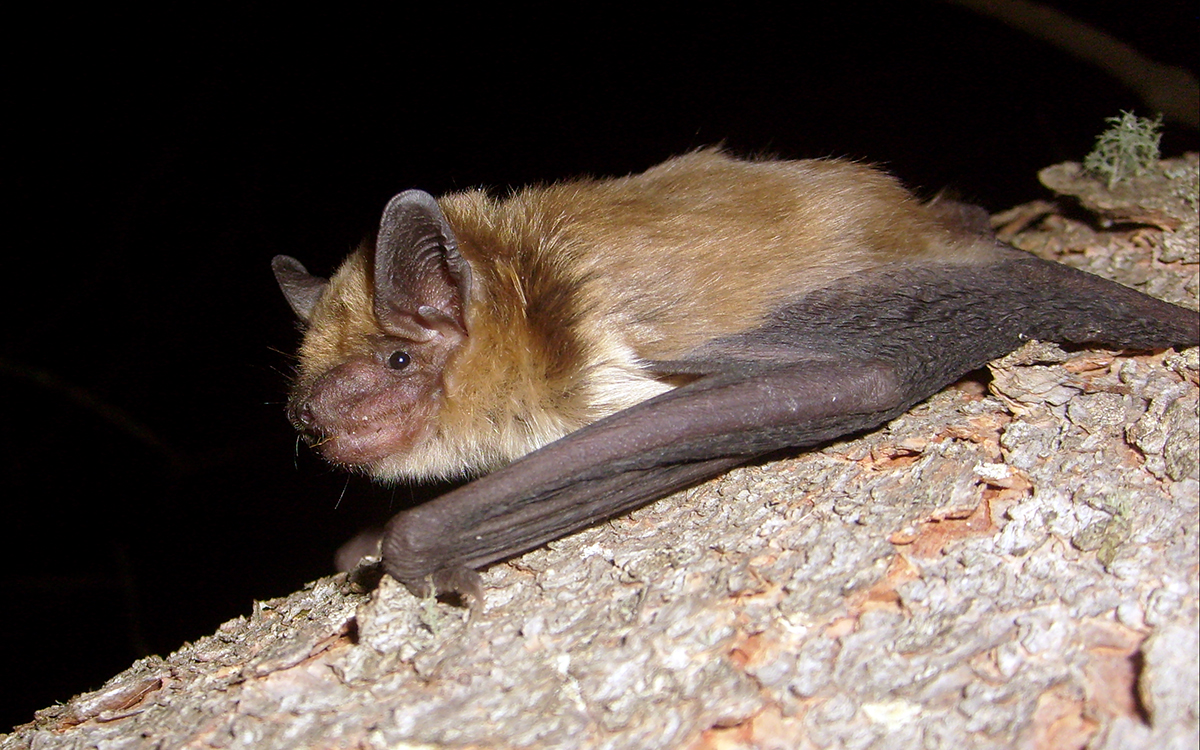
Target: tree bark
<point x="1011" y="564"/>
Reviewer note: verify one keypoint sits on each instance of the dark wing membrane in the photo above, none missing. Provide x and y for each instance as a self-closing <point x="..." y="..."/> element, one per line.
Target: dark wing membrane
<point x="838" y="361"/>
<point x="635" y="456"/>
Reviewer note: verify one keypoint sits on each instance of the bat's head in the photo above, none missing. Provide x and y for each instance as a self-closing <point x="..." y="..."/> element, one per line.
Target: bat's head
<point x="379" y="335"/>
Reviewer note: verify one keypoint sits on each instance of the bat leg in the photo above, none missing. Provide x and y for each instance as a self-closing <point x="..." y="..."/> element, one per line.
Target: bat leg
<point x="633" y="457"/>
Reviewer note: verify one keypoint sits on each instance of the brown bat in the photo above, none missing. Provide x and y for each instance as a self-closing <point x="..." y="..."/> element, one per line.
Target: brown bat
<point x="598" y="344"/>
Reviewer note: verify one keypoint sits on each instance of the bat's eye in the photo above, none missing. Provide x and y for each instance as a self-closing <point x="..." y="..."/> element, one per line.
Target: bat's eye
<point x="399" y="360"/>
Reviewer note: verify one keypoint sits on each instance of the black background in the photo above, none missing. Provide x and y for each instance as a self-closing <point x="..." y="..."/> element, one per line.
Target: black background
<point x="157" y="159"/>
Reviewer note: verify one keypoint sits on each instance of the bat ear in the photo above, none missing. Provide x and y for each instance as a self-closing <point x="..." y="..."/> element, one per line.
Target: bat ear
<point x="301" y="288"/>
<point x="421" y="279"/>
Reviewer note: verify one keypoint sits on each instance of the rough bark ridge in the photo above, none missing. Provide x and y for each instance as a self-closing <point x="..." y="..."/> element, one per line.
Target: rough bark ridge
<point x="1010" y="565"/>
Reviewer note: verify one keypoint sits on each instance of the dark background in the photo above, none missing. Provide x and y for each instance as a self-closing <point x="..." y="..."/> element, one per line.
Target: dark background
<point x="157" y="160"/>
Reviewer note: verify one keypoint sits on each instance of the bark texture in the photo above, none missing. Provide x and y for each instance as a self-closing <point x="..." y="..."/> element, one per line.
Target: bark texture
<point x="1011" y="564"/>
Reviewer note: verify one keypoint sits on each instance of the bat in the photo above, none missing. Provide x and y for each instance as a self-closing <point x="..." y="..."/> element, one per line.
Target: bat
<point x="583" y="348"/>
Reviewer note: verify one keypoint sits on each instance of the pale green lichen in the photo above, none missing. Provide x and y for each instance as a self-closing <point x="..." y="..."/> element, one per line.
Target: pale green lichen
<point x="1127" y="149"/>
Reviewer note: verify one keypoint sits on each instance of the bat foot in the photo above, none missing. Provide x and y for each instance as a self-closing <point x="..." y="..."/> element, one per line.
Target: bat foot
<point x="464" y="583"/>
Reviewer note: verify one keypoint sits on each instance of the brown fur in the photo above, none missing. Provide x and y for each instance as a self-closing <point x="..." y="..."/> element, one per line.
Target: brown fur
<point x="577" y="285"/>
